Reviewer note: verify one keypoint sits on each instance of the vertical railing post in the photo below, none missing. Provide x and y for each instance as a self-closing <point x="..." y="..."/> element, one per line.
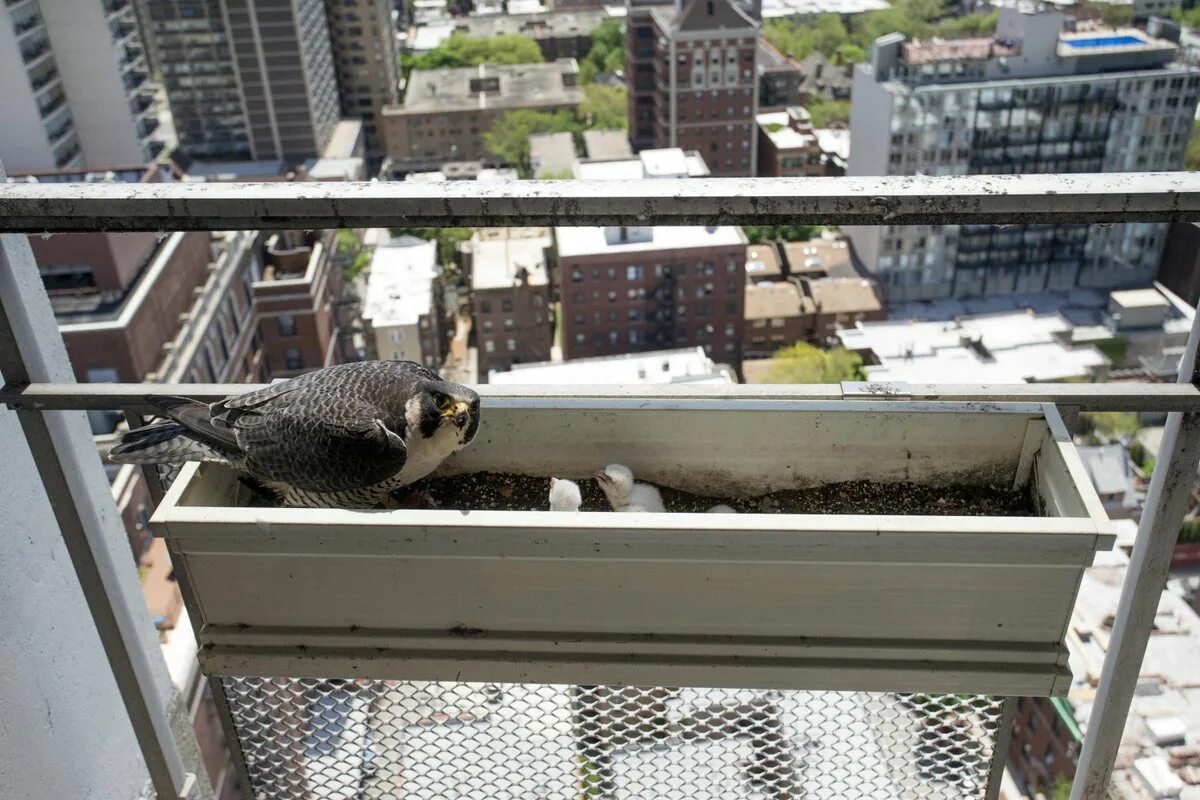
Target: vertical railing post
<point x="31" y="350"/>
<point x="1166" y="502"/>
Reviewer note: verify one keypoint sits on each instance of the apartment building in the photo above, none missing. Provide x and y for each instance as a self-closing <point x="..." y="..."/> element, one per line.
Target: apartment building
<point x="363" y="38"/>
<point x="630" y="289"/>
<point x="247" y="79"/>
<point x="510" y="296"/>
<point x="1033" y="98"/>
<point x="446" y="112"/>
<point x="76" y="88"/>
<point x="788" y="146"/>
<point x="296" y="300"/>
<point x="403" y="307"/>
<point x="559" y="34"/>
<point x="782" y="313"/>
<point x="694" y="81"/>
<point x="778" y="78"/>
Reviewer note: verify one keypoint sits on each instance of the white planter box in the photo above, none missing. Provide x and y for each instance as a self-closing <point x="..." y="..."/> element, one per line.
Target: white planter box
<point x="856" y="602"/>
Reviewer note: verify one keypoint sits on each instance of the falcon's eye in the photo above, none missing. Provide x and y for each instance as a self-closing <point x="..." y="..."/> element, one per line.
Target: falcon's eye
<point x="443" y="400"/>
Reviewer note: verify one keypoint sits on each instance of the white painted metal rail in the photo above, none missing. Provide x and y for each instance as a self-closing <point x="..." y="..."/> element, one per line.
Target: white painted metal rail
<point x="36" y="391"/>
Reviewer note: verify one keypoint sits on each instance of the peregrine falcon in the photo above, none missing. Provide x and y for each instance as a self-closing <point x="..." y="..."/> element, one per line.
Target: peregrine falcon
<point x="340" y="437"/>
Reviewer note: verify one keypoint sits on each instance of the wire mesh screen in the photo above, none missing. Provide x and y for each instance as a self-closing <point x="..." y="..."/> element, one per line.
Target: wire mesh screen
<point x="328" y="740"/>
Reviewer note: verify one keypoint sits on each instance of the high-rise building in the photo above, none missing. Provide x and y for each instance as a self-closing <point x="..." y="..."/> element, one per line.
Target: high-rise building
<point x="694" y="81"/>
<point x="1033" y="98"/>
<point x="510" y="296"/>
<point x="247" y="79"/>
<point x="364" y="51"/>
<point x="75" y="90"/>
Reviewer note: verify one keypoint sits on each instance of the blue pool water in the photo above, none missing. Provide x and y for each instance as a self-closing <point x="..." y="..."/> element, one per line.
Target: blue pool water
<point x="1105" y="41"/>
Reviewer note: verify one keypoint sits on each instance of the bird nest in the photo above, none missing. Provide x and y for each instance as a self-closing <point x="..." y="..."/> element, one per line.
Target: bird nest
<point x="507" y="492"/>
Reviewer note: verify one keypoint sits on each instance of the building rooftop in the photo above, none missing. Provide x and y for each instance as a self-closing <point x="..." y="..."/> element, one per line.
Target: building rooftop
<point x="689" y="365"/>
<point x="400" y="281"/>
<point x="818" y="258"/>
<point x="498" y="257"/>
<point x="551" y="154"/>
<point x="557" y="24"/>
<point x="1106" y="42"/>
<point x="670" y="162"/>
<point x="599" y="240"/>
<point x="844" y="295"/>
<point x="808" y="8"/>
<point x="1007" y="347"/>
<point x="778" y="300"/>
<point x="1109" y="468"/>
<point x="335" y="169"/>
<point x="834" y="142"/>
<point x="202" y="171"/>
<point x="934" y="51"/>
<point x="490" y="86"/>
<point x="1140" y="298"/>
<point x="606" y="145"/>
<point x="762" y="261"/>
<point x="1165" y="712"/>
<point x="346" y="140"/>
<point x="777" y="125"/>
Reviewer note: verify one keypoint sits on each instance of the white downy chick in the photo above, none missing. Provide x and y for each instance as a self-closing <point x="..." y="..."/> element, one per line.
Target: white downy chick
<point x="722" y="509"/>
<point x="624" y="494"/>
<point x="564" y="495"/>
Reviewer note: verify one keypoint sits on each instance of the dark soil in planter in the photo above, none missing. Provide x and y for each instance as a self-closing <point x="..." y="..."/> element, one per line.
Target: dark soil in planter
<point x="493" y="491"/>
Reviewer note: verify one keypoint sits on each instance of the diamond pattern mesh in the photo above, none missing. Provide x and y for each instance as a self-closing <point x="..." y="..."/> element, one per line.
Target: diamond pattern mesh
<point x="329" y="740"/>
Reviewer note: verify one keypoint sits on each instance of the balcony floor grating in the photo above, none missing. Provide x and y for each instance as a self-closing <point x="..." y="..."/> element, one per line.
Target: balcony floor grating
<point x="320" y="740"/>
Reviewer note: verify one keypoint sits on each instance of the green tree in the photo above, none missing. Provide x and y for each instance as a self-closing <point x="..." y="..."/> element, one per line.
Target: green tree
<point x="1189" y="18"/>
<point x="757" y="234"/>
<point x="604" y="108"/>
<point x="1062" y="789"/>
<point x="803" y="363"/>
<point x="447" y="240"/>
<point x="356" y="257"/>
<point x="825" y="113"/>
<point x="461" y="50"/>
<point x="508" y="138"/>
<point x="607" y="53"/>
<point x="1191" y="161"/>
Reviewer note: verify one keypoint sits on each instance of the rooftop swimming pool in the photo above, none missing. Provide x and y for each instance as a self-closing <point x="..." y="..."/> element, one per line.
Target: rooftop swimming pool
<point x="1105" y="41"/>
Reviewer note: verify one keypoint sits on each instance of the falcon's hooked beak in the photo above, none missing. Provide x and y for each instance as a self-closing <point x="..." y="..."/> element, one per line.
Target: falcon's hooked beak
<point x="602" y="477"/>
<point x="459" y="414"/>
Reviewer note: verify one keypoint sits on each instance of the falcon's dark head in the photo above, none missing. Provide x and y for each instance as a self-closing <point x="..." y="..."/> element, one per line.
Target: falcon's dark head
<point x="443" y="405"/>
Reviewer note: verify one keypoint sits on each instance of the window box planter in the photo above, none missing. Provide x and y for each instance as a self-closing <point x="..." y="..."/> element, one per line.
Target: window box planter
<point x="884" y="601"/>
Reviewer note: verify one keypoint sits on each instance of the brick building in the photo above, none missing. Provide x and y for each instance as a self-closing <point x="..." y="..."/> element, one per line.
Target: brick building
<point x="632" y="289"/>
<point x="295" y="298"/>
<point x="559" y="34"/>
<point x="694" y="81"/>
<point x="363" y="42"/>
<point x="787" y="145"/>
<point x="778" y="78"/>
<point x="446" y="112"/>
<point x="510" y="296"/>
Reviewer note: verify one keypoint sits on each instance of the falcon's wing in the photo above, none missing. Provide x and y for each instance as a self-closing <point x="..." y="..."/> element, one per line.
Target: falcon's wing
<point x="324" y="445"/>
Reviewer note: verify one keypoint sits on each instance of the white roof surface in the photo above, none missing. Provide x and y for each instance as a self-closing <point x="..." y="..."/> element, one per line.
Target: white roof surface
<point x="399" y="285"/>
<point x="835" y="141"/>
<point x="656" y="367"/>
<point x="794" y="8"/>
<point x="1013" y="347"/>
<point x="663" y="163"/>
<point x="495" y="261"/>
<point x="592" y="240"/>
<point x="784" y="138"/>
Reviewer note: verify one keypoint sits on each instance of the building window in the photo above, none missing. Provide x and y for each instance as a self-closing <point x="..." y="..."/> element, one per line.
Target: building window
<point x="485" y="306"/>
<point x="292" y="359"/>
<point x="508" y="324"/>
<point x="777" y="322"/>
<point x="287" y="326"/>
<point x="580" y="338"/>
<point x="538" y="301"/>
<point x="397" y="336"/>
<point x="635" y="273"/>
<point x="487" y="325"/>
<point x="506" y="305"/>
<point x="511" y="344"/>
<point x="489" y="346"/>
<point x="577" y="275"/>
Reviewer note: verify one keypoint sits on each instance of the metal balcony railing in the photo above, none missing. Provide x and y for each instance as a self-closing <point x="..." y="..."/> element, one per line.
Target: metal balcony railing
<point x="307" y="737"/>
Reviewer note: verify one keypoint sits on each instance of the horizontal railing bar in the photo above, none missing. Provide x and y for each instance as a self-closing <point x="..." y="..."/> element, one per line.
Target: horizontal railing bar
<point x="966" y="199"/>
<point x="1160" y="397"/>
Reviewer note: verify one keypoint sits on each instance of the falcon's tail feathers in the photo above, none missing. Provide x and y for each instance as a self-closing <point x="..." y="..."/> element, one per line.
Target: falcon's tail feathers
<point x="197" y="418"/>
<point x="162" y="443"/>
